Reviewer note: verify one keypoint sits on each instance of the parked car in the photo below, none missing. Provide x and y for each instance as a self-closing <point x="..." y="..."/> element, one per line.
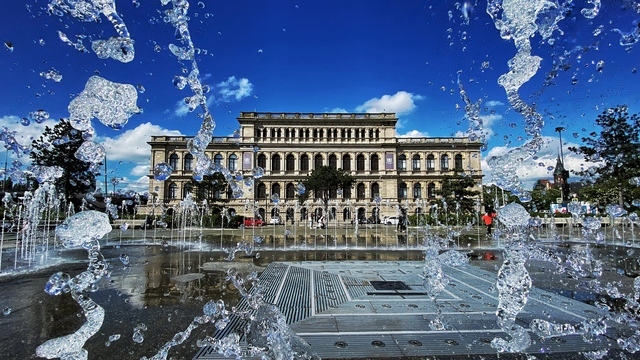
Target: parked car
<point x="276" y="221"/>
<point x="249" y="221"/>
<point x="391" y="220"/>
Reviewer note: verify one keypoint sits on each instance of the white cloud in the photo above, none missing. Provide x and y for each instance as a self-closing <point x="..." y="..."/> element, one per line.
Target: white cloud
<point x="181" y="109"/>
<point x="494" y="103"/>
<point x="414" y="133"/>
<point x="132" y="144"/>
<point x="139" y="185"/>
<point x="140" y="170"/>
<point x="338" y="110"/>
<point x="24" y="135"/>
<point x="487" y="122"/>
<point x="400" y="103"/>
<point x="541" y="166"/>
<point x="234" y="89"/>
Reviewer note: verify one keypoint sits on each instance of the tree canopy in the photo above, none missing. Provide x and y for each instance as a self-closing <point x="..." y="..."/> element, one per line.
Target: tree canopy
<point x="325" y="181"/>
<point x="57" y="147"/>
<point x="457" y="189"/>
<point x="614" y="151"/>
<point x="209" y="188"/>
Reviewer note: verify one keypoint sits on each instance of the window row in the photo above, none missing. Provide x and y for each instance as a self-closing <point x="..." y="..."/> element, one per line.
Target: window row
<point x="317" y="133"/>
<point x="360" y="191"/>
<point x="318" y="161"/>
<point x="290" y="191"/>
<point x="232" y="162"/>
<point x="374" y="162"/>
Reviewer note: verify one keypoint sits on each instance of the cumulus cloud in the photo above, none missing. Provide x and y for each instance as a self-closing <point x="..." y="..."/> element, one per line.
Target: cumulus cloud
<point x="414" y="133"/>
<point x="494" y="103"/>
<point x="140" y="169"/>
<point x="541" y="166"/>
<point x="400" y="103"/>
<point x="181" y="109"/>
<point x="132" y="145"/>
<point x="24" y="134"/>
<point x="338" y="110"/>
<point x="487" y="122"/>
<point x="234" y="89"/>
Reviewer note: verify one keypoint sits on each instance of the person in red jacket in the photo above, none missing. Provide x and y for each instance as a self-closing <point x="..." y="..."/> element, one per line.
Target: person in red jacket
<point x="488" y="220"/>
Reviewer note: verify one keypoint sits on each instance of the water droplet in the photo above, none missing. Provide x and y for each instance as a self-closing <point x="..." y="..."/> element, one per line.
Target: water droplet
<point x="162" y="171"/>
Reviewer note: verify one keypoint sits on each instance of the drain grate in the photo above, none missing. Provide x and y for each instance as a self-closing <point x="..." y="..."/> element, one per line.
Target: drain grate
<point x="389" y="285"/>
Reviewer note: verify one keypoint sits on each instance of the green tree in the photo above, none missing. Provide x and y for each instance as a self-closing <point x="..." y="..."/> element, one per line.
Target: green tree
<point x="615" y="151"/>
<point x="325" y="181"/>
<point x="457" y="191"/>
<point x="542" y="199"/>
<point x="57" y="147"/>
<point x="210" y="188"/>
<point x="605" y="192"/>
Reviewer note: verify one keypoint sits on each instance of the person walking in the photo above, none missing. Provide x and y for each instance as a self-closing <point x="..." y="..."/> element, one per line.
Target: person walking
<point x="488" y="220"/>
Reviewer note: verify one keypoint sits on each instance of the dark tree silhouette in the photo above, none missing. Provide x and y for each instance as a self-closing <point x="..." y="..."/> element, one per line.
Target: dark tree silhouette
<point x="57" y="147"/>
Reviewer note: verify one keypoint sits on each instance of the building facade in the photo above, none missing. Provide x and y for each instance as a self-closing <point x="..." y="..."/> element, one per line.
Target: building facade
<point x="389" y="170"/>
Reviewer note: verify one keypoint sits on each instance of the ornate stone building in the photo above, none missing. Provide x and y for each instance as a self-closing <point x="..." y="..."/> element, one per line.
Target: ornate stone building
<point x="388" y="169"/>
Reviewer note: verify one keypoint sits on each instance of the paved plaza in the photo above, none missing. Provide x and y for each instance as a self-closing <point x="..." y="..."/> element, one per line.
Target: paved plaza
<point x="379" y="309"/>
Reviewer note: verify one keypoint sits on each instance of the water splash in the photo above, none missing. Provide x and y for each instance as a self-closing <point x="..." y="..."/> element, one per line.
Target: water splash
<point x="83" y="229"/>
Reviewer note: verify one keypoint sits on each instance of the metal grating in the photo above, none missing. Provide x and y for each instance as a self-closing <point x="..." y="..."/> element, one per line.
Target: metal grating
<point x="389" y="285"/>
<point x="329" y="291"/>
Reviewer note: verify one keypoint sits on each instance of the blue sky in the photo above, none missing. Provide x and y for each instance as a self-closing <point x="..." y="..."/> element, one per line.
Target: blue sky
<point x="316" y="56"/>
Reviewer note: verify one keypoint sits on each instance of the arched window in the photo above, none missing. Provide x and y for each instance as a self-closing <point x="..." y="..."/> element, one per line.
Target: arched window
<point x="290" y="192"/>
<point x="402" y="190"/>
<point x="262" y="161"/>
<point x="457" y="162"/>
<point x="275" y="189"/>
<point x="402" y="162"/>
<point x="188" y="162"/>
<point x="187" y="189"/>
<point x="333" y="161"/>
<point x="360" y="162"/>
<point x="417" y="191"/>
<point x="304" y="163"/>
<point x="261" y="191"/>
<point x="375" y="190"/>
<point x="317" y="161"/>
<point x="346" y="162"/>
<point x="173" y="191"/>
<point x="346" y="214"/>
<point x="375" y="162"/>
<point x="275" y="162"/>
<point x="233" y="162"/>
<point x="173" y="161"/>
<point x="217" y="160"/>
<point x="360" y="191"/>
<point x="290" y="163"/>
<point x="415" y="162"/>
<point x="431" y="190"/>
<point x="431" y="162"/>
<point x="346" y="193"/>
<point x="444" y="162"/>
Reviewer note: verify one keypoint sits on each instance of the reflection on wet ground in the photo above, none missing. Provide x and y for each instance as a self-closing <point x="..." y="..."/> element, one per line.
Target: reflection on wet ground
<point x="164" y="288"/>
